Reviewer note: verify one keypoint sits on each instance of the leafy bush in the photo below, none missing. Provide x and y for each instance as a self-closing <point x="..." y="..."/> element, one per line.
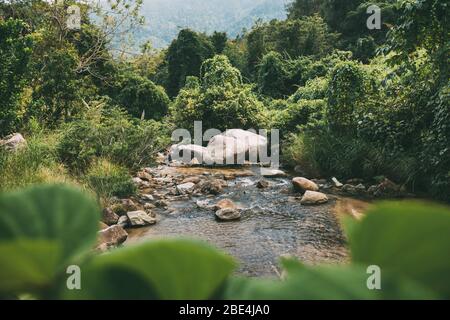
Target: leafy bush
<point x="108" y="180"/>
<point x="220" y="100"/>
<point x="302" y="113"/>
<point x="346" y="91"/>
<point x="323" y="153"/>
<point x="316" y="88"/>
<point x="113" y="135"/>
<point x="407" y="240"/>
<point x="273" y="76"/>
<point x="140" y="96"/>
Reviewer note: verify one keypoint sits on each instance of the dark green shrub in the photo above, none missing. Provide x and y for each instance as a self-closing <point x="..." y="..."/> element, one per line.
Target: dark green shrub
<point x="112" y="135"/>
<point x="302" y="113"/>
<point x="346" y="91"/>
<point x="140" y="96"/>
<point x="273" y="76"/>
<point x="221" y="101"/>
<point x="323" y="153"/>
<point x="314" y="89"/>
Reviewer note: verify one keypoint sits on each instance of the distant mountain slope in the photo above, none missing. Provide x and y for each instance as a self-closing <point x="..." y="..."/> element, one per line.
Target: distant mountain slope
<point x="164" y="18"/>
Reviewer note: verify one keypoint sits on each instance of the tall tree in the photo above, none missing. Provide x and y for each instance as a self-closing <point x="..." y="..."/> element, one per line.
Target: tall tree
<point x="185" y="57"/>
<point x="15" y="52"/>
<point x="219" y="41"/>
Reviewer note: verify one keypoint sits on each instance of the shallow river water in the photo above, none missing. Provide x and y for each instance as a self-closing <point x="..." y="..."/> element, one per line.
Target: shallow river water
<point x="273" y="224"/>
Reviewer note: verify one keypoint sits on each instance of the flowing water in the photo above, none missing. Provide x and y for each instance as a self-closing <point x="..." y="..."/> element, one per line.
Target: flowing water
<point x="273" y="224"/>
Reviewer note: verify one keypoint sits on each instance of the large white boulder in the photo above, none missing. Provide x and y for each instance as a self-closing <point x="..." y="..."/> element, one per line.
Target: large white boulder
<point x="226" y="150"/>
<point x="185" y="153"/>
<point x="253" y="143"/>
<point x="232" y="147"/>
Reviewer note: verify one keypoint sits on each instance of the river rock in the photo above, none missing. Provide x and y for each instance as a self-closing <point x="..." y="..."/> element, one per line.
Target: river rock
<point x="140" y="183"/>
<point x="251" y="141"/>
<point x="225" y="204"/>
<point x="213" y="186"/>
<point x="226" y="150"/>
<point x="313" y="197"/>
<point x="186" y="153"/>
<point x="236" y="146"/>
<point x="129" y="205"/>
<point x="350" y="189"/>
<point x="109" y="216"/>
<point x="123" y="221"/>
<point x="204" y="204"/>
<point x="144" y="175"/>
<point x="185" y="188"/>
<point x="360" y="188"/>
<point x="336" y="183"/>
<point x="111" y="237"/>
<point x="161" y="203"/>
<point x="149" y="206"/>
<point x="147" y="197"/>
<point x="272" y="173"/>
<point x="303" y="184"/>
<point x="385" y="188"/>
<point x="140" y="219"/>
<point x="354" y="190"/>
<point x="194" y="179"/>
<point x="228" y="214"/>
<point x="262" y="184"/>
<point x="13" y="142"/>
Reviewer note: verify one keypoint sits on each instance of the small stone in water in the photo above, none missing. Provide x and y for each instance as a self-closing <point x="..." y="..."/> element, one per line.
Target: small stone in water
<point x="140" y="219"/>
<point x="313" y="197"/>
<point x="228" y="214"/>
<point x="262" y="184"/>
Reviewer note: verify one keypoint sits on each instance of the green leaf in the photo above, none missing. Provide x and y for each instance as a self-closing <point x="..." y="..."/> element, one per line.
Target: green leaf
<point x="165" y="269"/>
<point x="409" y="239"/>
<point x="27" y="264"/>
<point x="346" y="282"/>
<point x="41" y="230"/>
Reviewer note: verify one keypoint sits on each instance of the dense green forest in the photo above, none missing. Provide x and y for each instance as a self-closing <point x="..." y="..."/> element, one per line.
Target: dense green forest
<point x="350" y="102"/>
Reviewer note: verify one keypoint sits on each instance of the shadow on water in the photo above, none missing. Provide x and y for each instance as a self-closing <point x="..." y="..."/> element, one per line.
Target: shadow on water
<point x="273" y="224"/>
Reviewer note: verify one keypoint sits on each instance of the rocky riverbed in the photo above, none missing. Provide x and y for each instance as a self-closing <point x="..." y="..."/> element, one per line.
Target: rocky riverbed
<point x="272" y="220"/>
<point x="256" y="214"/>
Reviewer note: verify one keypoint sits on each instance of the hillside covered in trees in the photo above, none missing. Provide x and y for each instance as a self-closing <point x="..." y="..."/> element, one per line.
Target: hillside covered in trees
<point x="350" y="101"/>
<point x="370" y="106"/>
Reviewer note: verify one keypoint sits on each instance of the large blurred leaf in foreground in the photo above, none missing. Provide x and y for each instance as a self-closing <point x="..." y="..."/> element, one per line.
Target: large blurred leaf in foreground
<point x="345" y="282"/>
<point x="409" y="239"/>
<point x="41" y="230"/>
<point x="163" y="269"/>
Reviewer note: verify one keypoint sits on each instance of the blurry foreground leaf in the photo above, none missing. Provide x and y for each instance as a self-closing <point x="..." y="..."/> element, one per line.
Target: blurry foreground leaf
<point x="41" y="230"/>
<point x="163" y="269"/>
<point x="409" y="239"/>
